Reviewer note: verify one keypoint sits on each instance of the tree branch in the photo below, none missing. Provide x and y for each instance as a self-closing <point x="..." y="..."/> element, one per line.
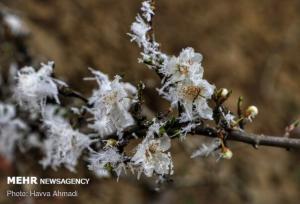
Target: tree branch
<point x="250" y="138"/>
<point x="232" y="135"/>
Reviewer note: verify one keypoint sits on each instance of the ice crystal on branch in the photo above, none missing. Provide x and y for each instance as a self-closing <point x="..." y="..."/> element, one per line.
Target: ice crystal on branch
<point x="34" y="87"/>
<point x="105" y="161"/>
<point x="140" y="29"/>
<point x="206" y="150"/>
<point x="151" y="55"/>
<point x="147" y="10"/>
<point x="110" y="105"/>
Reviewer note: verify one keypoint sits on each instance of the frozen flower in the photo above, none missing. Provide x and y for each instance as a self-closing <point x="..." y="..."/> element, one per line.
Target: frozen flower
<point x="11" y="130"/>
<point x="152" y="156"/>
<point x="110" y="105"/>
<point x="34" y="87"/>
<point x="147" y="10"/>
<point x="206" y="150"/>
<point x="187" y="66"/>
<point x="63" y="145"/>
<point x="184" y="84"/>
<point x="109" y="159"/>
<point x="192" y="98"/>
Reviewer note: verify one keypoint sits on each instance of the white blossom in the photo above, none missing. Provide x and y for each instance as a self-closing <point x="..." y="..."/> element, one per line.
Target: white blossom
<point x="12" y="130"/>
<point x="184" y="83"/>
<point x="103" y="161"/>
<point x="110" y="105"/>
<point x="63" y="145"/>
<point x="34" y="87"/>
<point x="151" y="155"/>
<point x="184" y="68"/>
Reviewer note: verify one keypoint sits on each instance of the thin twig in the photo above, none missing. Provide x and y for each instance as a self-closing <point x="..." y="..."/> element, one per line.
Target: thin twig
<point x="68" y="92"/>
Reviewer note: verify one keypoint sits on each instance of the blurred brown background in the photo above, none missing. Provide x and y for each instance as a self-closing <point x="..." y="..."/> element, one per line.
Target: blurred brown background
<point x="251" y="47"/>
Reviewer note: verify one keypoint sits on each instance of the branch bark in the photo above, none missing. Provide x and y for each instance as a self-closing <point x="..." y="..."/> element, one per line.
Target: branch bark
<point x="253" y="139"/>
<point x="232" y="135"/>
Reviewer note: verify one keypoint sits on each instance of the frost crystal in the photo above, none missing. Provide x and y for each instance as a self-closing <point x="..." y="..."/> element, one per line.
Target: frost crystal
<point x="147" y="10"/>
<point x="185" y="130"/>
<point x="139" y="30"/>
<point x="34" y="87"/>
<point x="11" y="130"/>
<point x="63" y="145"/>
<point x="110" y="105"/>
<point x="140" y="34"/>
<point x="151" y="156"/>
<point x="184" y="83"/>
<point x="229" y="118"/>
<point x="206" y="150"/>
<point x="102" y="162"/>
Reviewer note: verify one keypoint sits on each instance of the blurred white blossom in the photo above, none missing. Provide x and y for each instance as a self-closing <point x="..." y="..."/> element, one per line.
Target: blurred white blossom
<point x="34" y="87"/>
<point x="15" y="24"/>
<point x="63" y="145"/>
<point x="11" y="130"/>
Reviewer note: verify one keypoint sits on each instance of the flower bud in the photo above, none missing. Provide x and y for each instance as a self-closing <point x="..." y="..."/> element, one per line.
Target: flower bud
<point x="111" y="143"/>
<point x="223" y="92"/>
<point x="251" y="111"/>
<point x="226" y="153"/>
